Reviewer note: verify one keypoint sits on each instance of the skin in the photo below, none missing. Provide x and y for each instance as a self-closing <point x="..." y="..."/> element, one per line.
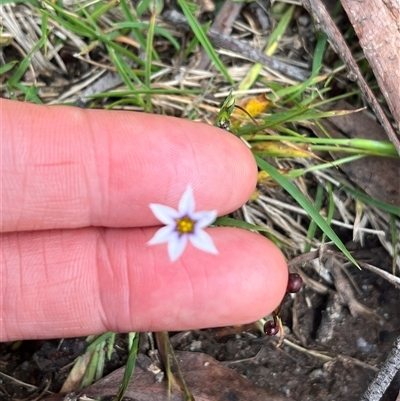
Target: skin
<point x="76" y="188"/>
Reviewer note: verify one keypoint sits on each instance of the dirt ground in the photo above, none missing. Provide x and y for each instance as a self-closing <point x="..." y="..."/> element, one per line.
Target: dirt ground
<point x="339" y="353"/>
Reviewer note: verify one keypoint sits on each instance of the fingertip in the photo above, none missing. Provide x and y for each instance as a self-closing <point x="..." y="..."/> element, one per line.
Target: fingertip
<point x="69" y="168"/>
<point x="261" y="272"/>
<point x="244" y="282"/>
<point x="63" y="283"/>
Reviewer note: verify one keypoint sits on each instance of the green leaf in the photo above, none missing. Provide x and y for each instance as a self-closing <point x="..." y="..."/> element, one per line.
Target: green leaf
<point x="91" y="368"/>
<point x="294" y="114"/>
<point x="149" y="61"/>
<point x="223" y="119"/>
<point x="226" y="221"/>
<point x="103" y="9"/>
<point x="319" y="53"/>
<point x="203" y="39"/>
<point x="392" y="209"/>
<point x="130" y="366"/>
<point x="131" y="18"/>
<point x="313" y="225"/>
<point x="7" y="67"/>
<point x="24" y="64"/>
<point x="143" y="6"/>
<point x="142" y="25"/>
<point x="331" y="207"/>
<point x="126" y="73"/>
<point x="32" y="95"/>
<point x="70" y="21"/>
<point x="99" y="340"/>
<point x="305" y="204"/>
<point x="273" y="43"/>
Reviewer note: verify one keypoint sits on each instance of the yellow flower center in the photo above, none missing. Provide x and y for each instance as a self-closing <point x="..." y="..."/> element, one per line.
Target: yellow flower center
<point x="185" y="225"/>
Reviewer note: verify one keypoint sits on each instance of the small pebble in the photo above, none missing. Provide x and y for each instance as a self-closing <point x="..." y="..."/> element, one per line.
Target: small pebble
<point x="318" y="375"/>
<point x="365" y="346"/>
<point x="303" y="20"/>
<point x="195" y="346"/>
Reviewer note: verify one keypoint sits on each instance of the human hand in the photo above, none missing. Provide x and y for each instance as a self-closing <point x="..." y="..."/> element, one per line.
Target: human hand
<point x="76" y="189"/>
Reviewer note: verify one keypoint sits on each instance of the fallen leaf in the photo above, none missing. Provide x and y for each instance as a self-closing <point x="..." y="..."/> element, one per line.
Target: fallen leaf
<point x="279" y="149"/>
<point x="254" y="106"/>
<point x="207" y="379"/>
<point x="263" y="178"/>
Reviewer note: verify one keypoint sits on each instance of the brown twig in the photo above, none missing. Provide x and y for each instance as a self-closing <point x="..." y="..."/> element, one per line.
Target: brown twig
<point x="387" y="276"/>
<point x="376" y="24"/>
<point x="223" y="24"/>
<point x="242" y="49"/>
<point x="386" y="373"/>
<point x="305" y="257"/>
<point x="324" y="23"/>
<point x="346" y="292"/>
<point x="251" y="53"/>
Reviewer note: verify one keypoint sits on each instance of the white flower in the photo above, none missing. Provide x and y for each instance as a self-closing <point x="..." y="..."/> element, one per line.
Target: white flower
<point x="183" y="224"/>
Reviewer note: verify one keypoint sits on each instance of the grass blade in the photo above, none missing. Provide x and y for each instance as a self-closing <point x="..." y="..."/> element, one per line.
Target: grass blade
<point x="226" y="221"/>
<point x="130" y="367"/>
<point x="157" y="30"/>
<point x="131" y="18"/>
<point x="7" y="67"/>
<point x="25" y="64"/>
<point x="149" y="60"/>
<point x="305" y="204"/>
<point x="273" y="42"/>
<point x="331" y="207"/>
<point x="392" y="209"/>
<point x="313" y="225"/>
<point x="203" y="39"/>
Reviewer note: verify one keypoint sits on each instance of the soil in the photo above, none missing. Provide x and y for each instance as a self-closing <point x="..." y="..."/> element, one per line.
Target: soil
<point x="339" y="353"/>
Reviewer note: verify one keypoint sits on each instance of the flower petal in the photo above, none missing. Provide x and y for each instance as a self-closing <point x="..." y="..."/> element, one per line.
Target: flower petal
<point x="169" y="216"/>
<point x="201" y="240"/>
<point x="165" y="214"/>
<point x="164" y="234"/>
<point x="176" y="246"/>
<point x="186" y="204"/>
<point x="204" y="219"/>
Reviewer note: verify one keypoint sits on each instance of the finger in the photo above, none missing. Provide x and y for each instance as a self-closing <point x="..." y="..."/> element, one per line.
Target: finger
<point x="63" y="167"/>
<point x="63" y="283"/>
